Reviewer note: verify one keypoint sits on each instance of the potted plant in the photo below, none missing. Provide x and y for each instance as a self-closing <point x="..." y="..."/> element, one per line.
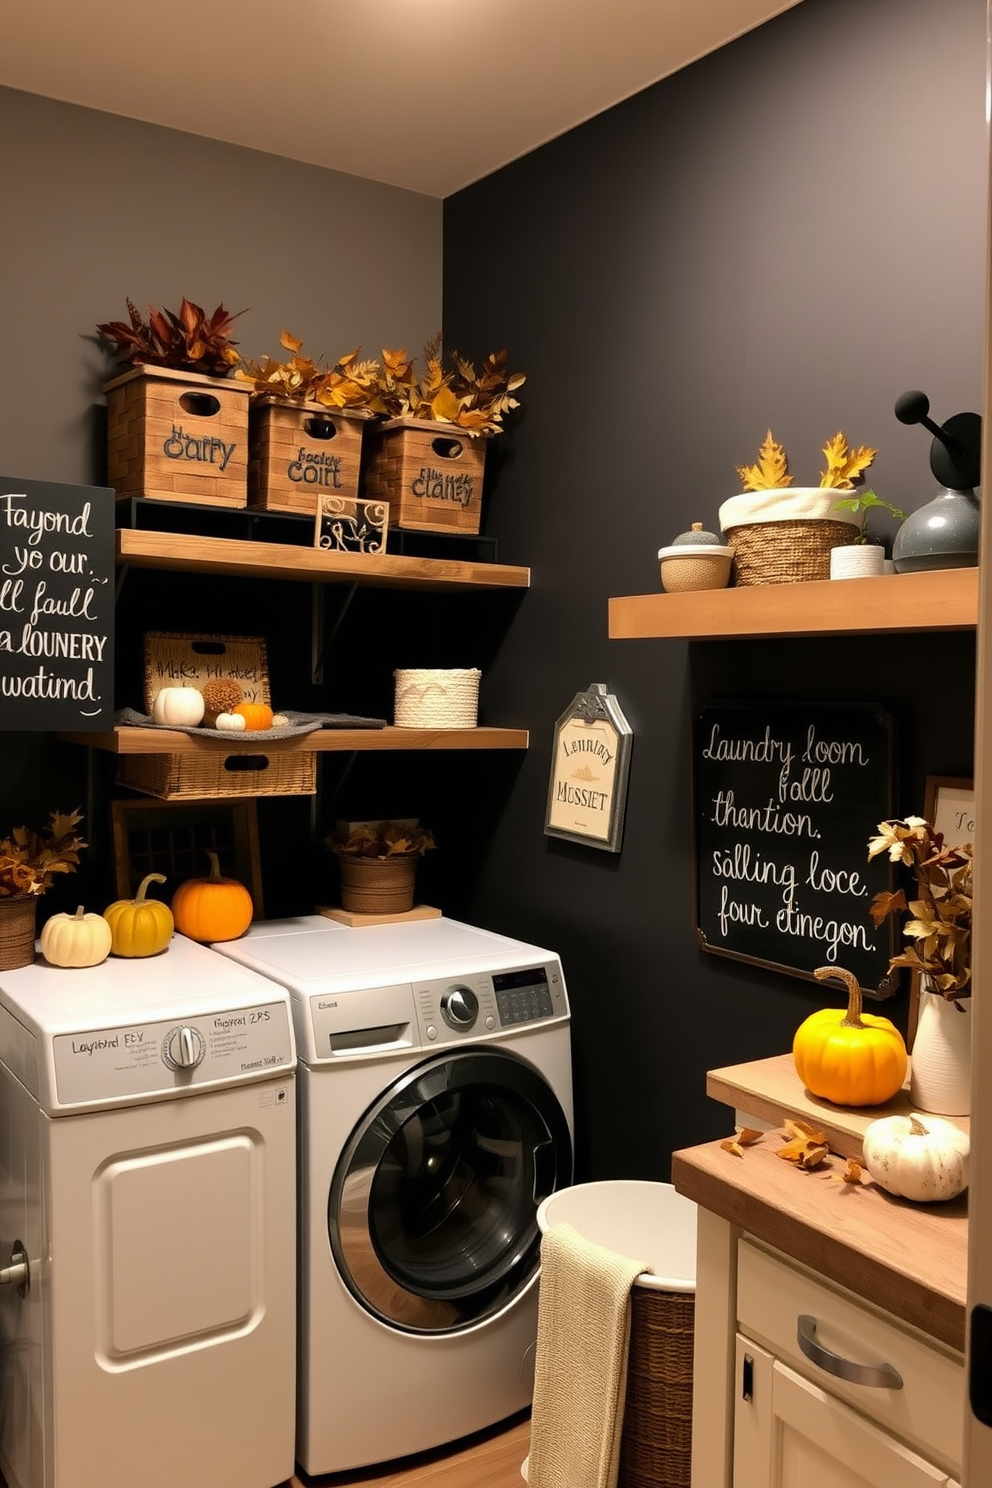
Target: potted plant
<point x="863" y="555"/>
<point x="305" y="426"/>
<point x="177" y="423"/>
<point x="939" y="932"/>
<point x="428" y="453"/>
<point x="782" y="533"/>
<point x="379" y="864"/>
<point x="29" y="862"/>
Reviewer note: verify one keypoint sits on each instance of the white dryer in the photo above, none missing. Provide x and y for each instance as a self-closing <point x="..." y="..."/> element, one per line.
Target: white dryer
<point x="435" y="1105"/>
<point x="147" y="1219"/>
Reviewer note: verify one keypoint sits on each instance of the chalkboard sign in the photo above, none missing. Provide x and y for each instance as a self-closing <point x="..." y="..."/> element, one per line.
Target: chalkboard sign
<point x="56" y="606"/>
<point x="786" y="796"/>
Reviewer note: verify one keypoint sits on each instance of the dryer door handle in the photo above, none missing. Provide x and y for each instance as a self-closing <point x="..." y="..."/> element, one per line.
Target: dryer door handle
<point x="545" y="1170"/>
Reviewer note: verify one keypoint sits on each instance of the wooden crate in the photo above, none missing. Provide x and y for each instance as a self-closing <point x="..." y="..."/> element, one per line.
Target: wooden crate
<point x="178" y="436"/>
<point x="431" y="475"/>
<point x="255" y="770"/>
<point x="297" y="450"/>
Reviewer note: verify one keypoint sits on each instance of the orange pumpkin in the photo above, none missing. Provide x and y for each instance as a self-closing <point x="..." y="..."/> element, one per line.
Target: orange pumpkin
<point x="257" y="716"/>
<point x="212" y="908"/>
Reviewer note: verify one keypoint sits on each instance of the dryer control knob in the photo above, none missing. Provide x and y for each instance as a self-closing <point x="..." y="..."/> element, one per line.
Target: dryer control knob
<point x="459" y="1007"/>
<point x="184" y="1047"/>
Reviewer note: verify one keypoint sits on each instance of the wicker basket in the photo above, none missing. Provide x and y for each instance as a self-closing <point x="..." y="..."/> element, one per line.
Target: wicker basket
<point x="785" y="552"/>
<point x="437" y="698"/>
<point x="253" y="771"/>
<point x="656" y="1442"/>
<point x="18" y="917"/>
<point x="377" y="885"/>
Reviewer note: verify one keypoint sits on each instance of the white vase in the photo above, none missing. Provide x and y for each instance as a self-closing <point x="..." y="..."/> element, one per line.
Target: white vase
<point x="940" y="1064"/>
<point x="857" y="561"/>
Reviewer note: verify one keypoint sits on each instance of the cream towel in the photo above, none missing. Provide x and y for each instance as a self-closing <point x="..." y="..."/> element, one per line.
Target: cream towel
<point x="583" y="1331"/>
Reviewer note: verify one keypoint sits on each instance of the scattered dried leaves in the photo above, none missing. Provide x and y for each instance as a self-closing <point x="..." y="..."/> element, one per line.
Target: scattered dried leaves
<point x="746" y="1137"/>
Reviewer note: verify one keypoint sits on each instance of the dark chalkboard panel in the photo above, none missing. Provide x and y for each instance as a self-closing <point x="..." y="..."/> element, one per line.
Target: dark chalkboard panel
<point x="786" y="796"/>
<point x="56" y="606"/>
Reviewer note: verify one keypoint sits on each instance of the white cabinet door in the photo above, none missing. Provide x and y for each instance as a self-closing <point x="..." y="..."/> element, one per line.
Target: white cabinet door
<point x="788" y="1433"/>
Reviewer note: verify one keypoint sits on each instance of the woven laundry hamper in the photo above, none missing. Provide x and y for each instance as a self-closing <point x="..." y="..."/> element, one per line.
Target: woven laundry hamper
<point x="437" y="698"/>
<point x="654" y="1223"/>
<point x="785" y="536"/>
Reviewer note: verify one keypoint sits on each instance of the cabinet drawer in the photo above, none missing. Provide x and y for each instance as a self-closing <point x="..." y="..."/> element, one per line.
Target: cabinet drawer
<point x="926" y="1411"/>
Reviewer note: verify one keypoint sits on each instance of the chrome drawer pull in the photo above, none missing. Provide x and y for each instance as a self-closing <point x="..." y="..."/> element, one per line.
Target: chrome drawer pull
<point x="883" y="1376"/>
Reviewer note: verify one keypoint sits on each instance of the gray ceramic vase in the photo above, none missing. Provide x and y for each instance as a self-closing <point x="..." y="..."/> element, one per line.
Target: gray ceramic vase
<point x="942" y="534"/>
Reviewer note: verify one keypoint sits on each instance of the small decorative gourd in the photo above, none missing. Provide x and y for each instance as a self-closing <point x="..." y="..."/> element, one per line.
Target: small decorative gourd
<point x="230" y="723"/>
<point x="922" y="1158"/>
<point x="212" y="908"/>
<point x="219" y="696"/>
<point x="848" y="1056"/>
<point x="180" y="707"/>
<point x="257" y="716"/>
<point x="75" y="940"/>
<point x="140" y="926"/>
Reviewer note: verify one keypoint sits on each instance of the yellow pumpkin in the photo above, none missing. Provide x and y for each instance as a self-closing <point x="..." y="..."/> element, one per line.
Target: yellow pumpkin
<point x="212" y="908"/>
<point x="847" y="1056"/>
<point x="75" y="940"/>
<point x="140" y="926"/>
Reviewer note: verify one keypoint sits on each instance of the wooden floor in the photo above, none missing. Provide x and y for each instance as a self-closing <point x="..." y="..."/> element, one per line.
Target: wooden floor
<point x="490" y="1459"/>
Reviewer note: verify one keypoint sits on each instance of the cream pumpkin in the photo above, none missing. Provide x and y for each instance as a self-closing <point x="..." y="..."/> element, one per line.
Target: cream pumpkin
<point x="178" y="706"/>
<point x="918" y="1157"/>
<point x="75" y="940"/>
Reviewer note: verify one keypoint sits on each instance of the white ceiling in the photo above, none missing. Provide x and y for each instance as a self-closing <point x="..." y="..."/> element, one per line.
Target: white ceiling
<point x="430" y="95"/>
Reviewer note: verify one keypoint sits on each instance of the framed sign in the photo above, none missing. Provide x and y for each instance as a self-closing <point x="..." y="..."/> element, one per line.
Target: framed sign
<point x="56" y="606"/>
<point x="587" y="794"/>
<point x="786" y="796"/>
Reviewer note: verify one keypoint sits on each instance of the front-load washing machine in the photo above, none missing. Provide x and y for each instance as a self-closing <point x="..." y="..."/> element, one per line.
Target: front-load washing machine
<point x="148" y="1224"/>
<point x="435" y="1106"/>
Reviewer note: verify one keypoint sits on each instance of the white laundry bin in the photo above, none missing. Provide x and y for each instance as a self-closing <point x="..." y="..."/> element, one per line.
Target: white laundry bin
<point x="653" y="1223"/>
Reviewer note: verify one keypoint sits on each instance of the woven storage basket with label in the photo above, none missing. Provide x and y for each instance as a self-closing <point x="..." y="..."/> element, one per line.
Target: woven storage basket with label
<point x="785" y="536"/>
<point x="178" y="436"/>
<point x="253" y="766"/>
<point x="430" y="473"/>
<point x="300" y="450"/>
<point x="437" y="698"/>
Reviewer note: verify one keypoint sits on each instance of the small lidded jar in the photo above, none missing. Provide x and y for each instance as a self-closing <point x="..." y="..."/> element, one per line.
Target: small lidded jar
<point x="695" y="560"/>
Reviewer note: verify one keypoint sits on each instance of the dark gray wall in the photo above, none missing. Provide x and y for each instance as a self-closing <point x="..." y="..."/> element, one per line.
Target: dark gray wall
<point x="789" y="233"/>
<point x="96" y="208"/>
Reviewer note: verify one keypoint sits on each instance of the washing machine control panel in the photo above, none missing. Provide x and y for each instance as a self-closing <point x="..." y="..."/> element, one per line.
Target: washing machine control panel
<point x="488" y="1002"/>
<point x="147" y="1059"/>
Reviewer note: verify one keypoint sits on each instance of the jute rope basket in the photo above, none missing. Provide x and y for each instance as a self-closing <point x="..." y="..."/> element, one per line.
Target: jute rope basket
<point x="437" y="698"/>
<point x="656" y="1440"/>
<point x="785" y="536"/>
<point x="785" y="552"/>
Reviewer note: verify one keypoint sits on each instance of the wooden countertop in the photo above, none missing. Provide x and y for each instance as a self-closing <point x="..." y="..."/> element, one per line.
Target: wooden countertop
<point x="769" y="1089"/>
<point x="909" y="1259"/>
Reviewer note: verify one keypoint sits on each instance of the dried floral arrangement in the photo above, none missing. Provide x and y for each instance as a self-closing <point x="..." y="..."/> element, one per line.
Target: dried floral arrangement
<point x="845" y="466"/>
<point x="29" y="860"/>
<point x="939" y="927"/>
<point x="187" y="341"/>
<point x="450" y="389"/>
<point x="350" y="383"/>
<point x="385" y="839"/>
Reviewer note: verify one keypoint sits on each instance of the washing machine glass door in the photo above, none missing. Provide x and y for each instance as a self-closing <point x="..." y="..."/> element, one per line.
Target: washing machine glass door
<point x="432" y="1210"/>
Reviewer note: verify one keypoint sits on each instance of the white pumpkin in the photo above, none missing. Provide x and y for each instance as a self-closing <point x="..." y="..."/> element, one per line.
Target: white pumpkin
<point x="182" y="706"/>
<point x="230" y="723"/>
<point x="75" y="940"/>
<point x="918" y="1157"/>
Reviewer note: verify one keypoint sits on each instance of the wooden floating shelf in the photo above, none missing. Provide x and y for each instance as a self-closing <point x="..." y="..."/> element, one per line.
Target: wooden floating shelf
<point x="243" y="559"/>
<point x="322" y="741"/>
<point x="941" y="599"/>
